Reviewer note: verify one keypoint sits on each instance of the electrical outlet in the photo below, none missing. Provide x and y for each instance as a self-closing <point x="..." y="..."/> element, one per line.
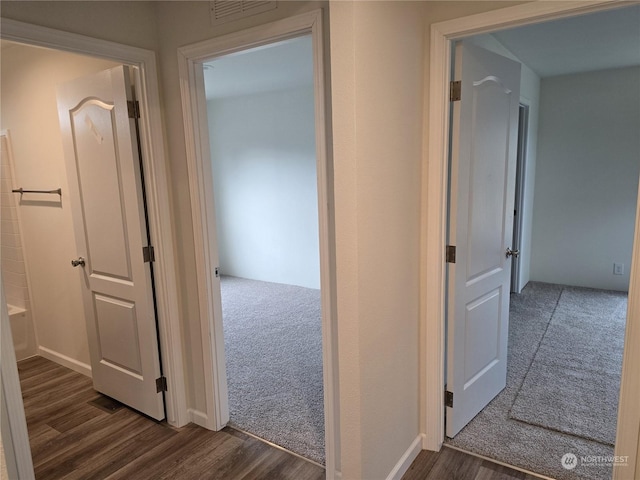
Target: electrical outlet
<point x="618" y="268"/>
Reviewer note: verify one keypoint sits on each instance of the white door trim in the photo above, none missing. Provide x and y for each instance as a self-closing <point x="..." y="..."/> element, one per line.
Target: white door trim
<point x="158" y="204"/>
<point x="190" y="60"/>
<point x="518" y="221"/>
<point x="15" y="438"/>
<point x="434" y="197"/>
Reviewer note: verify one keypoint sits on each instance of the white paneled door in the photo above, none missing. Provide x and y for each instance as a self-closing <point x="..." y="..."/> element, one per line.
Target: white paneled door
<point x="483" y="167"/>
<point x="107" y="200"/>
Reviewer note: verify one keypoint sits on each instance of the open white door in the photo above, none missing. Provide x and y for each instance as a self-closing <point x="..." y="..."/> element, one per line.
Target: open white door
<point x="483" y="167"/>
<point x="106" y="198"/>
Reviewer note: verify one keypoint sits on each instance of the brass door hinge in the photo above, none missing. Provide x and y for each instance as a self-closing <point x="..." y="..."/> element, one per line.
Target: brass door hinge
<point x="133" y="108"/>
<point x="148" y="254"/>
<point x="450" y="254"/>
<point x="455" y="91"/>
<point x="448" y="399"/>
<point x="161" y="384"/>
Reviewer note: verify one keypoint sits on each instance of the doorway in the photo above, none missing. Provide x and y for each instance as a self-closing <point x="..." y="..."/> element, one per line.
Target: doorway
<point x="106" y="54"/>
<point x="192" y="59"/>
<point x="555" y="310"/>
<point x="260" y="109"/>
<point x="446" y="27"/>
<point x="519" y="203"/>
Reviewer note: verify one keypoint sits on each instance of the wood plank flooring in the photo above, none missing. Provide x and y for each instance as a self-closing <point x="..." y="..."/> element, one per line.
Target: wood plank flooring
<point x="73" y="438"/>
<point x="450" y="464"/>
<point x="76" y="433"/>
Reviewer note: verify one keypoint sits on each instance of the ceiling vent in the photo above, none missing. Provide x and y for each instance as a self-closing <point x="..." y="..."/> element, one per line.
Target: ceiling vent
<point x="223" y="11"/>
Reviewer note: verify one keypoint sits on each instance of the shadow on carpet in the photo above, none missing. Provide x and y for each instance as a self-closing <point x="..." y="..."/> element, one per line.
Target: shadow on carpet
<point x="534" y="333"/>
<point x="273" y="347"/>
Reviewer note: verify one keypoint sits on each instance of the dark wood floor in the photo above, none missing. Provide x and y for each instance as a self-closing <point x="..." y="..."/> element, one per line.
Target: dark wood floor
<point x="72" y="437"/>
<point x="450" y="464"/>
<point x="76" y="433"/>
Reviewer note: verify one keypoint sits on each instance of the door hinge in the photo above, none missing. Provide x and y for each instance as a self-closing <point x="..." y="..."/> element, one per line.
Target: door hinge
<point x="217" y="270"/>
<point x="161" y="384"/>
<point x="450" y="254"/>
<point x="133" y="108"/>
<point x="448" y="399"/>
<point x="148" y="254"/>
<point x="455" y="91"/>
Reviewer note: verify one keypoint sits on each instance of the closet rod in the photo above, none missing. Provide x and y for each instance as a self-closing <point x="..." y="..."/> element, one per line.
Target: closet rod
<point x="22" y="190"/>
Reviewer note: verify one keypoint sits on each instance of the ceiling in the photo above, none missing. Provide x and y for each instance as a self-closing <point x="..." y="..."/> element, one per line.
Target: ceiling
<point x="598" y="41"/>
<point x="276" y="67"/>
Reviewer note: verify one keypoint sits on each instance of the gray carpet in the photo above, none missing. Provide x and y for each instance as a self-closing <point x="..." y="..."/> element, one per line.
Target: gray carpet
<point x="495" y="434"/>
<point x="573" y="383"/>
<point x="273" y="343"/>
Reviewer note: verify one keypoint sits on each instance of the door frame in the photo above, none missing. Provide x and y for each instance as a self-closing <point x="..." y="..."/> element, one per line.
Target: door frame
<point x="191" y="59"/>
<point x="518" y="222"/>
<point x="434" y="222"/>
<point x="156" y="182"/>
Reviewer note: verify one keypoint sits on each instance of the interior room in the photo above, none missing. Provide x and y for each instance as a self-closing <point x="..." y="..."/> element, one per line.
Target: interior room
<point x="566" y="330"/>
<point x="38" y="240"/>
<point x="260" y="106"/>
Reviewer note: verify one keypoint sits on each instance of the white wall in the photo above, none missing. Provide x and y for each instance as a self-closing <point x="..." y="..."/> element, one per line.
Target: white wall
<point x="587" y="178"/>
<point x="14" y="270"/>
<point x="377" y="62"/>
<point x="265" y="186"/>
<point x="530" y="96"/>
<point x="30" y="113"/>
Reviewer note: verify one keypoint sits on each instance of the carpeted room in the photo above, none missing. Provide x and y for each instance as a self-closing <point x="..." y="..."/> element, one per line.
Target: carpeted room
<point x="567" y="326"/>
<point x="273" y="348"/>
<point x="563" y="378"/>
<point x="260" y="108"/>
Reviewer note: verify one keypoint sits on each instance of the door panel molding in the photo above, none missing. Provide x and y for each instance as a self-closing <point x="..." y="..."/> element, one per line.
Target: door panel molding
<point x="483" y="139"/>
<point x="156" y="182"/>
<point x="434" y="223"/>
<point x="191" y="59"/>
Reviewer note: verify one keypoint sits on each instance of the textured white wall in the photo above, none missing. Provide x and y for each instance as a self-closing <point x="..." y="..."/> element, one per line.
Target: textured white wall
<point x="30" y="113"/>
<point x="265" y="186"/>
<point x="587" y="178"/>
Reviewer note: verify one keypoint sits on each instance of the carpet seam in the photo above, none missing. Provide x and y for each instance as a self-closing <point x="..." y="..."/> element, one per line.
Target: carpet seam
<point x="533" y="358"/>
<point x="575" y="435"/>
<point x="535" y="422"/>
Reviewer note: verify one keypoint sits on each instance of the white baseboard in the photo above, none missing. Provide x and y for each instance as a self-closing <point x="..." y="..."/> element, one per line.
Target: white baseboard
<point x="198" y="417"/>
<point x="65" y="361"/>
<point x="407" y="459"/>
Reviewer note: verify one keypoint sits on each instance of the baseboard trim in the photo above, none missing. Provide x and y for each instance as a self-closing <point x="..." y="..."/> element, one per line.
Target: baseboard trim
<point x="65" y="361"/>
<point x="407" y="459"/>
<point x="198" y="417"/>
<point x="430" y="443"/>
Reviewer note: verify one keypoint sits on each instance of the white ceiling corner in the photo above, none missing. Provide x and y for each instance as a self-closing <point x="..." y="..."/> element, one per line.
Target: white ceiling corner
<point x="597" y="41"/>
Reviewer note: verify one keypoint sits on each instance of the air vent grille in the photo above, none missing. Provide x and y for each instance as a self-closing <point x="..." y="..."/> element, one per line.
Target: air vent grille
<point x="227" y="10"/>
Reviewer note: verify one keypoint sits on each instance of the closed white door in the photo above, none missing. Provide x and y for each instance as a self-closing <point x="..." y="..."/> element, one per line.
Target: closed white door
<point x="483" y="167"/>
<point x="106" y="197"/>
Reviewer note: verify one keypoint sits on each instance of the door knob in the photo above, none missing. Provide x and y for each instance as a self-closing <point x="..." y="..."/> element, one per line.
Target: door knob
<point x="514" y="253"/>
<point x="78" y="262"/>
